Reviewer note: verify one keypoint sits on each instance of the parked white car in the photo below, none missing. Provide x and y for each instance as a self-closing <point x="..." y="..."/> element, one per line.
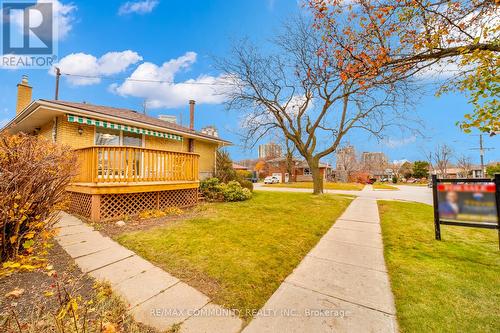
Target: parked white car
<point x="271" y="180"/>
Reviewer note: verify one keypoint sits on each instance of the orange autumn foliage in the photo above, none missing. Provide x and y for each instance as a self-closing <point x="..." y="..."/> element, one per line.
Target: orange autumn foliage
<point x="34" y="175"/>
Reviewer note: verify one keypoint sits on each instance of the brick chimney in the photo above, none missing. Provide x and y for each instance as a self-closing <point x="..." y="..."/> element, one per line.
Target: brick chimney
<point x="191" y="114"/>
<point x="24" y="92"/>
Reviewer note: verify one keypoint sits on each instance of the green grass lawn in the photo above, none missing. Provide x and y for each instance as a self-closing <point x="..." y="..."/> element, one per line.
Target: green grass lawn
<point x="381" y="186"/>
<point x="440" y="286"/>
<point x="239" y="253"/>
<point x="327" y="186"/>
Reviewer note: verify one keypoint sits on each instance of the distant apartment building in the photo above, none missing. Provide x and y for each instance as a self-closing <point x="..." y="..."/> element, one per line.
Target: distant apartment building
<point x="269" y="150"/>
<point x="374" y="162"/>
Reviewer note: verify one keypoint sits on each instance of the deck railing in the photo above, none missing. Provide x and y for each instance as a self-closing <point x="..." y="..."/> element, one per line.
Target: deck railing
<point x="112" y="164"/>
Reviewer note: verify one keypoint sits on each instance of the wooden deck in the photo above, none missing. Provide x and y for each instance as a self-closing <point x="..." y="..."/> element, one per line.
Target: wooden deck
<point x="101" y="165"/>
<point x="114" y="181"/>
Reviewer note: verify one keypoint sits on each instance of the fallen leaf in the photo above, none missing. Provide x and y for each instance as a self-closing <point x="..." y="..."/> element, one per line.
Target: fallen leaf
<point x="15" y="293"/>
<point x="108" y="328"/>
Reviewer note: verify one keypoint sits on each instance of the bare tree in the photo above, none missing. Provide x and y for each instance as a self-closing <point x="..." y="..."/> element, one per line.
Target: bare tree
<point x="464" y="163"/>
<point x="440" y="160"/>
<point x="346" y="163"/>
<point x="297" y="91"/>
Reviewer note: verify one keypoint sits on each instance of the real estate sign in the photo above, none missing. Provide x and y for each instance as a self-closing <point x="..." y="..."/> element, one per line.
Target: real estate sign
<point x="466" y="202"/>
<point x="474" y="203"/>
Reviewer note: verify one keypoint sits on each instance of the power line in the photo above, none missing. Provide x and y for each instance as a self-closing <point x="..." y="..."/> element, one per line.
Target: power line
<point x="481" y="149"/>
<point x="142" y="80"/>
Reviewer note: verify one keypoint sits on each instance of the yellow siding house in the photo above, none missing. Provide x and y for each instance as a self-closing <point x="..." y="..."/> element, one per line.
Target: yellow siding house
<point x="127" y="161"/>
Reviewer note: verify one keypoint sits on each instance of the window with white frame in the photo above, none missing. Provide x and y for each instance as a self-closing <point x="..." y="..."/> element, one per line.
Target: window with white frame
<point x="112" y="137"/>
<point x="307" y="172"/>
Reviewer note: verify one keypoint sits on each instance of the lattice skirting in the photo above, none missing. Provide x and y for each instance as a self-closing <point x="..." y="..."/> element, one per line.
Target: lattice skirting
<point x="106" y="207"/>
<point x="80" y="204"/>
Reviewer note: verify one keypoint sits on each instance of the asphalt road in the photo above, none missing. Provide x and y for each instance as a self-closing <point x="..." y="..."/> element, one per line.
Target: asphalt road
<point x="405" y="193"/>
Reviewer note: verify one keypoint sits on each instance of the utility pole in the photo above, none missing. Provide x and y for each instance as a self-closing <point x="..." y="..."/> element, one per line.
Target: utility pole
<point x="145" y="106"/>
<point x="58" y="75"/>
<point x="481" y="149"/>
<point x="481" y="152"/>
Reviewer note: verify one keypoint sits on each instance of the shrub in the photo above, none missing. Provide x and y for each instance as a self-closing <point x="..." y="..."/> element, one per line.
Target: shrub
<point x="246" y="184"/>
<point x="224" y="169"/>
<point x="214" y="190"/>
<point x="233" y="191"/>
<point x="244" y="174"/>
<point x="211" y="189"/>
<point x="34" y="175"/>
<point x="359" y="177"/>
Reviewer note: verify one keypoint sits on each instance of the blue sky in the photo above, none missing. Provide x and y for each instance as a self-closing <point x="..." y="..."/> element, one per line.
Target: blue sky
<point x="178" y="39"/>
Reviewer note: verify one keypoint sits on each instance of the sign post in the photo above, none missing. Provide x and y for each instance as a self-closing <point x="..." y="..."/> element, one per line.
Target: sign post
<point x="467" y="203"/>
<point x="497" y="183"/>
<point x="437" y="226"/>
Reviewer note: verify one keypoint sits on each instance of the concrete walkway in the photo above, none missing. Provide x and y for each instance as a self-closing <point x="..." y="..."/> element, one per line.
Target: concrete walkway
<point x="155" y="297"/>
<point x="340" y="286"/>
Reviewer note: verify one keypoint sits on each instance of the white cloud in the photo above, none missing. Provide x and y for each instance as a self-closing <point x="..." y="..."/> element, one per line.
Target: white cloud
<point x="395" y="143"/>
<point x="137" y="7"/>
<point x="63" y="16"/>
<point x="205" y="89"/>
<point x="92" y="67"/>
<point x="400" y="162"/>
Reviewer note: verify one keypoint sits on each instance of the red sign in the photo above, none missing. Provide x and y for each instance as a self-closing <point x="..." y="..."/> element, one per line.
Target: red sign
<point x="467" y="187"/>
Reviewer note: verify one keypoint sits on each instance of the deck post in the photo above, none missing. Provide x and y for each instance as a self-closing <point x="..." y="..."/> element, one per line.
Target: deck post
<point x="95" y="210"/>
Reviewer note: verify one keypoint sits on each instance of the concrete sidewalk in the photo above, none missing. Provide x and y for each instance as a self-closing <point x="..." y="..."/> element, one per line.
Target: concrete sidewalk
<point x="340" y="286"/>
<point x="155" y="297"/>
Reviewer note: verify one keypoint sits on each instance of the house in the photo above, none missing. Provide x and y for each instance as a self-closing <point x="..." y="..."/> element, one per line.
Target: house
<point x="127" y="161"/>
<point x="239" y="167"/>
<point x="454" y="172"/>
<point x="300" y="171"/>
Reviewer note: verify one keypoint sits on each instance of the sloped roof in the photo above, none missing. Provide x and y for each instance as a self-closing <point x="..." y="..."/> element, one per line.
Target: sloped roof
<point x="131" y="115"/>
<point x="239" y="167"/>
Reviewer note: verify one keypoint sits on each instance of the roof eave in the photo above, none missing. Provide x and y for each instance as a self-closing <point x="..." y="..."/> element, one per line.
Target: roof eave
<point x="82" y="112"/>
<point x="20" y="116"/>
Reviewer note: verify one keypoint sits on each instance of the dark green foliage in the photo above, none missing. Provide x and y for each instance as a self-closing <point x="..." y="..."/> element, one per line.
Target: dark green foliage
<point x="421" y="169"/>
<point x="246" y="184"/>
<point x="224" y="167"/>
<point x="491" y="170"/>
<point x="214" y="190"/>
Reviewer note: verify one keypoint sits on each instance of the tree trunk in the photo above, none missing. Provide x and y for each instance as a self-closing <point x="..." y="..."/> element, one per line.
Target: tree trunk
<point x="316" y="176"/>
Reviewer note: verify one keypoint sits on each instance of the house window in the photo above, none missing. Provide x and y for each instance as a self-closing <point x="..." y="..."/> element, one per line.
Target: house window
<point x="107" y="137"/>
<point x="132" y="139"/>
<point x="307" y="172"/>
<point x="112" y="137"/>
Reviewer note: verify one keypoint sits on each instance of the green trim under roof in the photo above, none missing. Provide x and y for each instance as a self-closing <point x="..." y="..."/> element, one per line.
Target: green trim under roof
<point x="127" y="128"/>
